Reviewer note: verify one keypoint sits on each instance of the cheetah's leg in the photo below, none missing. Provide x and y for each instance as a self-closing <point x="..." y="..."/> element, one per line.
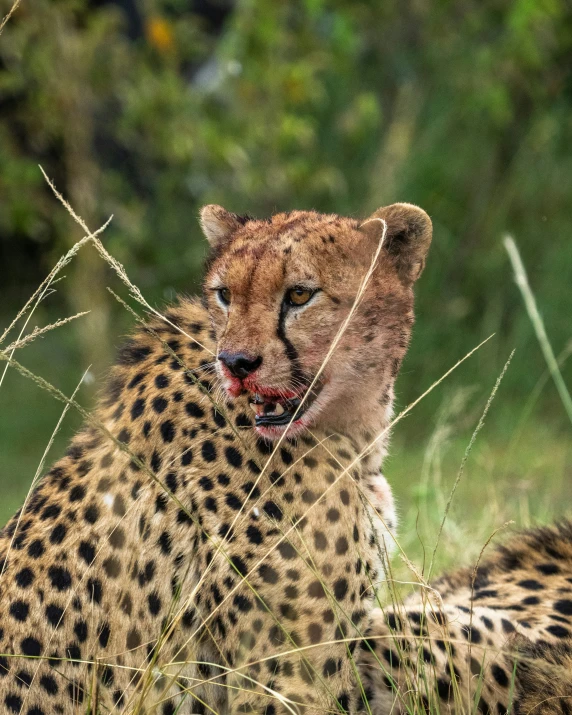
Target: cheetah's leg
<point x="383" y="510"/>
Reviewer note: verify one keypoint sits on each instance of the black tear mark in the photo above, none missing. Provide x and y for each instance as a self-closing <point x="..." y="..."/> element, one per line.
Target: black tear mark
<point x="291" y="352"/>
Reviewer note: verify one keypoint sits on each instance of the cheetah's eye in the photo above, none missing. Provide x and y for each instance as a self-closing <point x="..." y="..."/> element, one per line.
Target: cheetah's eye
<point x="224" y="295"/>
<point x="299" y="296"/>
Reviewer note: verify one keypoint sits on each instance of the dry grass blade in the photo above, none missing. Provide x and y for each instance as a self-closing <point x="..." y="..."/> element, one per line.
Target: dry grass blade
<point x="9" y="14"/>
<point x="40" y="468"/>
<point x="37" y="332"/>
<point x="45" y="284"/>
<point x="466" y="457"/>
<point x="413" y="404"/>
<point x="114" y="263"/>
<point x="537" y="323"/>
<point x="476" y="571"/>
<point x="347" y="321"/>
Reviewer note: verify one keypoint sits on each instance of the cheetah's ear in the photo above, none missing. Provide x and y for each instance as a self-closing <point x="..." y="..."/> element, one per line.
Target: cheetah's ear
<point x="218" y="224"/>
<point x="408" y="237"/>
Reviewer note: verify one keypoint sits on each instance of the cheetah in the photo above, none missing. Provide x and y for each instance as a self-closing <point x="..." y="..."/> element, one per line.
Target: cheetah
<point x="496" y="639"/>
<point x="208" y="543"/>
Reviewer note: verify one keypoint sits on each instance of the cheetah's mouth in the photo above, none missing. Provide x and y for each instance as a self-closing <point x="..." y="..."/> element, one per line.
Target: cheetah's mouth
<point x="275" y="411"/>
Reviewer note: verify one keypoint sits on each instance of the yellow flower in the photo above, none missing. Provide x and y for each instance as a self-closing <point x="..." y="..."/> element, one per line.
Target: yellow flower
<point x="159" y="34"/>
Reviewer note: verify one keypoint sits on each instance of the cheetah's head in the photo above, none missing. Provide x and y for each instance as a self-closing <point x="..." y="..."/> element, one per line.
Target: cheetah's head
<point x="282" y="294"/>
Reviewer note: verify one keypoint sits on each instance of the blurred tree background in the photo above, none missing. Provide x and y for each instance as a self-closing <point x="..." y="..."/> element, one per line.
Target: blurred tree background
<point x="147" y="109"/>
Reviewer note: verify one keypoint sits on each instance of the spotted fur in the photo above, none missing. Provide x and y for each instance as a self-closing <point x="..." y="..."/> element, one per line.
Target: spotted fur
<point x="493" y="642"/>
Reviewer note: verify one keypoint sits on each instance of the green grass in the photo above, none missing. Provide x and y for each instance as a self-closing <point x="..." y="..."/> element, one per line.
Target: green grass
<point x="533" y="488"/>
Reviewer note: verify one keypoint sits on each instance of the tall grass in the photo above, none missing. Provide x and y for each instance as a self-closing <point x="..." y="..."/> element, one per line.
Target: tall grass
<point x="538" y="324"/>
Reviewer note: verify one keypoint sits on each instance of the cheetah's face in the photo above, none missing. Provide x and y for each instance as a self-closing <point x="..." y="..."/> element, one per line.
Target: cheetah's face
<point x="282" y="293"/>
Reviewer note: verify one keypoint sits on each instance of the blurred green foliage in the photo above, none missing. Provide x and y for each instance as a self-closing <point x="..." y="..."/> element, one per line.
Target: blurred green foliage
<point x="461" y="106"/>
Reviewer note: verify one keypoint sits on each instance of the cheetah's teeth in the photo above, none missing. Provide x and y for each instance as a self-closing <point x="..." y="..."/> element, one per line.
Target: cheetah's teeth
<point x="268" y="409"/>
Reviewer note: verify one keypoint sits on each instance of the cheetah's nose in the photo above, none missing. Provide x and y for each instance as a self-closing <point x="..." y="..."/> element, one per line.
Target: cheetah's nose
<point x="239" y="364"/>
